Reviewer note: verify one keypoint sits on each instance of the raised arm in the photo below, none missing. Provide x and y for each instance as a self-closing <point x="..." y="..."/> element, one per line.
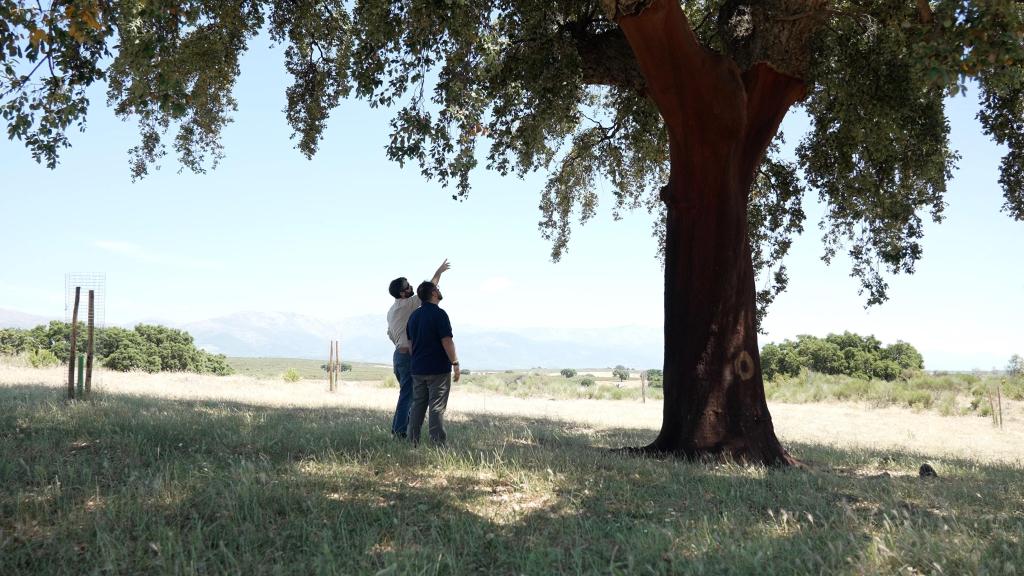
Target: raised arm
<point x="440" y="270"/>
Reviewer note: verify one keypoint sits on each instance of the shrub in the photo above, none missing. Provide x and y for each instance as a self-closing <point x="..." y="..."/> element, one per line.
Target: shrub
<point x="40" y="358"/>
<point x="127" y="358"/>
<point x="465" y="372"/>
<point x="13" y="341"/>
<point x="947" y="404"/>
<point x="568" y="372"/>
<point x="887" y="370"/>
<point x="1016" y="366"/>
<point x="858" y="356"/>
<point x="621" y="373"/>
<point x="587" y="382"/>
<point x="916" y="398"/>
<point x="655" y="378"/>
<point x="216" y="364"/>
<point x="291" y="375"/>
<point x="390" y="381"/>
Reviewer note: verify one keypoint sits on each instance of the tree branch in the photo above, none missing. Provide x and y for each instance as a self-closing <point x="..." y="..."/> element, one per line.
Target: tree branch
<point x="607" y="59"/>
<point x="924" y="11"/>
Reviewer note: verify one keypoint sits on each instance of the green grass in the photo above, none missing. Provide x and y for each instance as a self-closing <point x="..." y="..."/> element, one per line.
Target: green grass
<point x="273" y="368"/>
<point x="131" y="485"/>
<point x="948" y="393"/>
<point x="542" y="385"/>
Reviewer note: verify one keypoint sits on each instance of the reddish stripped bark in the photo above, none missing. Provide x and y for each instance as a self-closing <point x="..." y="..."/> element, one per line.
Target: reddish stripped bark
<point x="720" y="122"/>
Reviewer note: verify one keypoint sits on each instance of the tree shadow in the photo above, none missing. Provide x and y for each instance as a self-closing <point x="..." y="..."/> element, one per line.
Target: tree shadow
<point x="211" y="486"/>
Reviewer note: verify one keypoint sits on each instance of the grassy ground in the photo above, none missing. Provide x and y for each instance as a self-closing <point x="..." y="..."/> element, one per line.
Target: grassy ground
<point x="948" y="393"/>
<point x="273" y="368"/>
<point x="538" y="384"/>
<point x="129" y="484"/>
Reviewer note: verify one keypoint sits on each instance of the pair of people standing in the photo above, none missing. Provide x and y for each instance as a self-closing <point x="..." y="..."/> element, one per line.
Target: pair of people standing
<point x="424" y="357"/>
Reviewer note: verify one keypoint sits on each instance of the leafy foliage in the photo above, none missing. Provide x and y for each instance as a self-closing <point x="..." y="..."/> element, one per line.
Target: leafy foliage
<point x="655" y="378"/>
<point x="291" y="375"/>
<point x="568" y="372"/>
<point x="42" y="358"/>
<point x="846" y="353"/>
<point x="552" y="86"/>
<point x="148" y="348"/>
<point x="343" y="367"/>
<point x="621" y="372"/>
<point x="1015" y="367"/>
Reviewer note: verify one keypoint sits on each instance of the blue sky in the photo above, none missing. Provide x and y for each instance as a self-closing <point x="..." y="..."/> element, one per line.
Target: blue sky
<point x="270" y="230"/>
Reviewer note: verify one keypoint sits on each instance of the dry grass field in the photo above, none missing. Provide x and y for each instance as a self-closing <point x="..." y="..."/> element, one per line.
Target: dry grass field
<point x="831" y="423"/>
<point x="186" y="474"/>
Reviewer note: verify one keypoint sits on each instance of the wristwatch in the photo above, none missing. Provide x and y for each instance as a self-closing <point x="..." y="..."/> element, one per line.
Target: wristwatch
<point x="456" y="363"/>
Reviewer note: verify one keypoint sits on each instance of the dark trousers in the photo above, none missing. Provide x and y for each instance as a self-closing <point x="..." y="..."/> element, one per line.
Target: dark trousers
<point x="429" y="393"/>
<point x="403" y="373"/>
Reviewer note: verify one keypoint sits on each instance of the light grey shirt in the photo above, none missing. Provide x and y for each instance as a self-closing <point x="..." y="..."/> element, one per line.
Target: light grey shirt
<point x="398" y="317"/>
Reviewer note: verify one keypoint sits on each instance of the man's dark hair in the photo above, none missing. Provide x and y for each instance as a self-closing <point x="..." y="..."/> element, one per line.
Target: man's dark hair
<point x="425" y="290"/>
<point x="396" y="286"/>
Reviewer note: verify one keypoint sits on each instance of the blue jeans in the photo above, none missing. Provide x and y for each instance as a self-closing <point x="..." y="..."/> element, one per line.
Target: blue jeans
<point x="403" y="372"/>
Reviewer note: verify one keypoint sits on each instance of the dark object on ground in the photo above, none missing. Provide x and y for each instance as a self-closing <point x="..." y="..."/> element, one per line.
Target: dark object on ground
<point x="926" y="471"/>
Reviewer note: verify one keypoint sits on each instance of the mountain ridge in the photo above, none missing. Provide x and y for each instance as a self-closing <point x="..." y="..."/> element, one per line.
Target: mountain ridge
<point x="363" y="338"/>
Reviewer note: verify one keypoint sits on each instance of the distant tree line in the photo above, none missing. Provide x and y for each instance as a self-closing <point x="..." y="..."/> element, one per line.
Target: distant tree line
<point x="846" y="353"/>
<point x="146" y="347"/>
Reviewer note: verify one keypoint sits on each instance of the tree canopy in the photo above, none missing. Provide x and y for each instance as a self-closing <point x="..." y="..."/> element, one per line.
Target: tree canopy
<point x="846" y="353"/>
<point x="553" y="86"/>
<point x="147" y="347"/>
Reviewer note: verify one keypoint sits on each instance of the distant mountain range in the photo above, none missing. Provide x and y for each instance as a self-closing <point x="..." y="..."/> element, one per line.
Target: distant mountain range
<point x="363" y="339"/>
<point x="15" y="319"/>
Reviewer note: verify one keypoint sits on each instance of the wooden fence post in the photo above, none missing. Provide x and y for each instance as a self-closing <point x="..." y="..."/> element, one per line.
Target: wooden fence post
<point x="999" y="399"/>
<point x="89" y="345"/>
<point x="330" y="368"/>
<point x="337" y="362"/>
<point x="643" y="386"/>
<point x="73" y="354"/>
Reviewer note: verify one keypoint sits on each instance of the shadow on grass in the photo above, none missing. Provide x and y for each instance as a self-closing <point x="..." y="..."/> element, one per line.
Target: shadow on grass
<point x="133" y="484"/>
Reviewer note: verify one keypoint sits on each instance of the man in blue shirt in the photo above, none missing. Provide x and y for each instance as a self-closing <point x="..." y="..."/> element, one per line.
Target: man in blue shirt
<point x="398" y="316"/>
<point x="433" y="357"/>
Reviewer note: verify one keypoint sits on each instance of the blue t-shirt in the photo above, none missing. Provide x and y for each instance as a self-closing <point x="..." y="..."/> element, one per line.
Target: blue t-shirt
<point x="427" y="326"/>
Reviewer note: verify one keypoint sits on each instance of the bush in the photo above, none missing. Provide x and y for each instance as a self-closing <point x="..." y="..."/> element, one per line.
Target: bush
<point x="887" y="370"/>
<point x="655" y="378"/>
<point x="291" y="375"/>
<point x="850" y="354"/>
<point x="344" y="367"/>
<point x="587" y="382"/>
<point x="146" y="347"/>
<point x="568" y="372"/>
<point x="390" y="381"/>
<point x="465" y="372"/>
<point x="1016" y="366"/>
<point x="13" y="341"/>
<point x="40" y="358"/>
<point x="621" y="373"/>
<point x="216" y="364"/>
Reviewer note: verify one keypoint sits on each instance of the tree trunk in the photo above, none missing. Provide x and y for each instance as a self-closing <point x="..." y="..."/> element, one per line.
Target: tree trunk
<point x="720" y="123"/>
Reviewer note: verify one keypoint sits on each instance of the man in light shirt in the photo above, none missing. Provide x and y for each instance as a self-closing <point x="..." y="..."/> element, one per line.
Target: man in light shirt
<point x="406" y="302"/>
